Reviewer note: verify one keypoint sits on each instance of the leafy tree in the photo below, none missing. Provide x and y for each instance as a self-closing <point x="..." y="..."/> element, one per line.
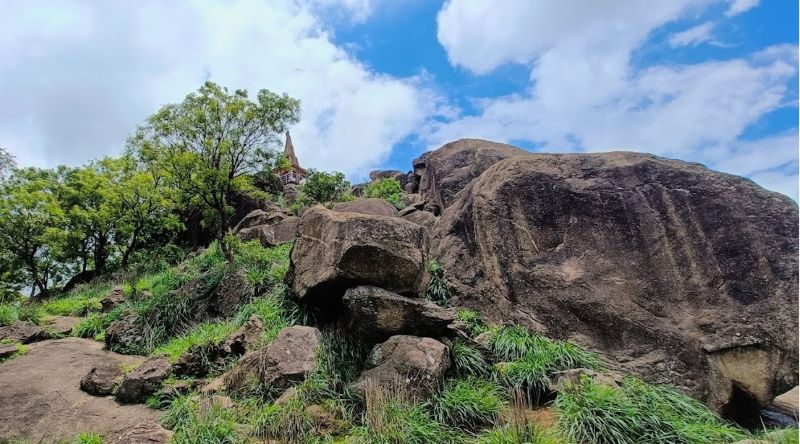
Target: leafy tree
<point x="7" y="163"/>
<point x="325" y="187"/>
<point x="387" y="188"/>
<point x="209" y="144"/>
<point x="31" y="228"/>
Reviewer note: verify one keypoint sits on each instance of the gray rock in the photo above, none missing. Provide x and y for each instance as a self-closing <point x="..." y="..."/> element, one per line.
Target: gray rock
<point x="113" y="299"/>
<point x="24" y="332"/>
<point x="259" y="217"/>
<point x="143" y="433"/>
<point x="102" y="379"/>
<point x="370" y="205"/>
<point x="144" y="380"/>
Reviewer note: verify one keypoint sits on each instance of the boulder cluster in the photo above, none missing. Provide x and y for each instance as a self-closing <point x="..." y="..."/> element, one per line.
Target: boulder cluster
<point x="673" y="272"/>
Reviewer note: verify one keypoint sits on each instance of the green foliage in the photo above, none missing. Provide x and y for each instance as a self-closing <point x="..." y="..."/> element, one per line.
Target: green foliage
<point x="438" y="288"/>
<point x="636" y="413"/>
<point x="80" y="302"/>
<point x="9" y="313"/>
<point x="88" y="438"/>
<point x="276" y="311"/>
<point x="195" y="421"/>
<point x="207" y="146"/>
<point x="91" y="326"/>
<point x="468" y="403"/>
<point x="31" y="312"/>
<point x="201" y="335"/>
<point x="517" y="434"/>
<point x="387" y="188"/>
<point x="473" y="320"/>
<point x="396" y="420"/>
<point x="286" y="422"/>
<point x="530" y="359"/>
<point x="468" y="360"/>
<point x="263" y="267"/>
<point x="322" y="187"/>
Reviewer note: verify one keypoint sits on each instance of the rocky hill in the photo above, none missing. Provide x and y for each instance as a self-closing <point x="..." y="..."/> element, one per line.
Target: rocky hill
<point x="513" y="297"/>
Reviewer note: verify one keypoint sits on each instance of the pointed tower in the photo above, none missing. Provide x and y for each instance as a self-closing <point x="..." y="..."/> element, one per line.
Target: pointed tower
<point x="293" y="173"/>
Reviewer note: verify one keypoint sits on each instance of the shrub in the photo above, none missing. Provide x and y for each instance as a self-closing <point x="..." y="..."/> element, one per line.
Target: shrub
<point x="638" y="412"/>
<point x="83" y="300"/>
<point x="201" y="335"/>
<point x="324" y="187"/>
<point x="468" y="360"/>
<point x="516" y="434"/>
<point x="88" y="438"/>
<point x="438" y="289"/>
<point x="468" y="403"/>
<point x="9" y="313"/>
<point x="194" y="421"/>
<point x="387" y="188"/>
<point x="473" y="320"/>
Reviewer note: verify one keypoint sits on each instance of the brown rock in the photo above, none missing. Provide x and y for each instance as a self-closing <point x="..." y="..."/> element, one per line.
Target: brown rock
<point x="389" y="174"/>
<point x="124" y="334"/>
<point x="232" y="292"/>
<point x="787" y="404"/>
<point x="143" y="433"/>
<point x="290" y="193"/>
<point x="422" y="218"/>
<point x="259" y="217"/>
<point x="8" y="350"/>
<point x="24" y="332"/>
<point x="248" y="335"/>
<point x="377" y="314"/>
<point x="102" y="379"/>
<point x="272" y="235"/>
<point x="681" y="273"/>
<point x="286" y="361"/>
<point x="416" y="364"/>
<point x="144" y="380"/>
<point x="370" y="205"/>
<point x="113" y="299"/>
<point x="336" y="250"/>
<point x="60" y="326"/>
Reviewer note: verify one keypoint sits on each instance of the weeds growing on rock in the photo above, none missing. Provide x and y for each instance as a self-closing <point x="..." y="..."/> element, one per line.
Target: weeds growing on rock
<point x="473" y="320"/>
<point x="88" y="438"/>
<point x="468" y="360"/>
<point x="438" y="288"/>
<point x="201" y="335"/>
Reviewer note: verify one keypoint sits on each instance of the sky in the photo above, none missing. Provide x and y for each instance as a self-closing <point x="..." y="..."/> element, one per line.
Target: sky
<point x="382" y="81"/>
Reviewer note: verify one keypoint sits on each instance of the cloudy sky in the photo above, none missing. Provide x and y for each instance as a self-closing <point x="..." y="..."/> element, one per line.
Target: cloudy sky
<point x="381" y="81"/>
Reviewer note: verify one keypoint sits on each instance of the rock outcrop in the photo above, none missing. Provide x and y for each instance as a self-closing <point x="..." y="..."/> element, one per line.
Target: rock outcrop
<point x="142" y="433"/>
<point x="272" y="235"/>
<point x="24" y="332"/>
<point x="682" y="274"/>
<point x="259" y="217"/>
<point x="376" y="314"/>
<point x="113" y="299"/>
<point x="335" y="251"/>
<point x="103" y="379"/>
<point x="417" y="365"/>
<point x="286" y="361"/>
<point x="371" y="205"/>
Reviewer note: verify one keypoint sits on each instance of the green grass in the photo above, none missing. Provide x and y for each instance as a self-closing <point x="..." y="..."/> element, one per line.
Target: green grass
<point x="287" y="422"/>
<point x="81" y="301"/>
<point x="529" y="359"/>
<point x="95" y="325"/>
<point x="9" y="313"/>
<point x="276" y="311"/>
<point x="473" y="320"/>
<point x="201" y="335"/>
<point x="263" y="267"/>
<point x="468" y="360"/>
<point x="468" y="403"/>
<point x="195" y="422"/>
<point x="517" y="434"/>
<point x="88" y="438"/>
<point x="636" y="413"/>
<point x="399" y="421"/>
<point x="438" y="289"/>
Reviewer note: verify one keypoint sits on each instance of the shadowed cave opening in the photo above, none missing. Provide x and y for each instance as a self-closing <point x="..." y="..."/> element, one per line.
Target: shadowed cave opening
<point x="742" y="408"/>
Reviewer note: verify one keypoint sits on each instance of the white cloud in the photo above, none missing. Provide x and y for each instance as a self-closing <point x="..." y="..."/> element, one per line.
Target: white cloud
<point x="693" y="36"/>
<point x="586" y="95"/>
<point x="85" y="73"/>
<point x="740" y="6"/>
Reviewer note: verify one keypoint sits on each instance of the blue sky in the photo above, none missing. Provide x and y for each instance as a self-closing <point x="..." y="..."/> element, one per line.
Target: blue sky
<point x="381" y="81"/>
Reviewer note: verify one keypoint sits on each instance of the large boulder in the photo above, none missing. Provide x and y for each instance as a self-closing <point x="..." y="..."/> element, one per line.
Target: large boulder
<point x="389" y="174"/>
<point x="335" y="251"/>
<point x="125" y="334"/>
<point x="377" y="314"/>
<point x="232" y="292"/>
<point x="370" y="205"/>
<point x="286" y="361"/>
<point x="144" y="380"/>
<point x="422" y="218"/>
<point x="259" y="217"/>
<point x="272" y="235"/>
<point x="103" y="379"/>
<point x="416" y="365"/>
<point x="682" y="274"/>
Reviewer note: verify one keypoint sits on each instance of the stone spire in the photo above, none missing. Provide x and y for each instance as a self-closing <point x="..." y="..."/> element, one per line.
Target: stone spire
<point x="288" y="151"/>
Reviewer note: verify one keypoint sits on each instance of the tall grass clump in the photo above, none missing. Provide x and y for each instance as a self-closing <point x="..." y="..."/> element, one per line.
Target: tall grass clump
<point x="88" y="438"/>
<point x="468" y="403"/>
<point x="276" y="310"/>
<point x="517" y="434"/>
<point x="262" y="267"/>
<point x="530" y="359"/>
<point x="638" y="412"/>
<point x="468" y="359"/>
<point x="202" y="421"/>
<point x="9" y="313"/>
<point x="473" y="320"/>
<point x="81" y="301"/>
<point x="95" y="325"/>
<point x="392" y="416"/>
<point x="438" y="289"/>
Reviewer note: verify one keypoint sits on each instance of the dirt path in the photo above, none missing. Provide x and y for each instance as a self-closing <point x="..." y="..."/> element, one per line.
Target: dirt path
<point x="40" y="397"/>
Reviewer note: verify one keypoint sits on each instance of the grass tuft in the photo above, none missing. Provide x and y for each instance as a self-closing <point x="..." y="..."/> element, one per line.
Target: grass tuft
<point x="194" y="421"/>
<point x="88" y="438"/>
<point x="474" y="321"/>
<point x="9" y="313"/>
<point x="468" y="403"/>
<point x="201" y="335"/>
<point x="517" y="434"/>
<point x="468" y="360"/>
<point x="438" y="289"/>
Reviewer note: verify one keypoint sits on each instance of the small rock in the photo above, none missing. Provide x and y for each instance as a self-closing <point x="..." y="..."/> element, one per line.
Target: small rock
<point x="786" y="403"/>
<point x="215" y="385"/>
<point x="24" y="332"/>
<point x="143" y="380"/>
<point x="103" y="379"/>
<point x="8" y="350"/>
<point x="413" y="363"/>
<point x="250" y="333"/>
<point x="60" y="326"/>
<point x="144" y="433"/>
<point x="231" y="292"/>
<point x="113" y="299"/>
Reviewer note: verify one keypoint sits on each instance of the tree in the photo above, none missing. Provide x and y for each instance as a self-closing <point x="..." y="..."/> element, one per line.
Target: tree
<point x="387" y="188"/>
<point x="207" y="145"/>
<point x="31" y="227"/>
<point x="7" y="163"/>
<point x="325" y="187"/>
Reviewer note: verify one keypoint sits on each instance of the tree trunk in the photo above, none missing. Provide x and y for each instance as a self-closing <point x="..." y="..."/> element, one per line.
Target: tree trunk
<point x="128" y="251"/>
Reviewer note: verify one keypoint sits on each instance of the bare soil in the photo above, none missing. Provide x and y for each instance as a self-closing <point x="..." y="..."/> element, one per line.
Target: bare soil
<point x="41" y="400"/>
